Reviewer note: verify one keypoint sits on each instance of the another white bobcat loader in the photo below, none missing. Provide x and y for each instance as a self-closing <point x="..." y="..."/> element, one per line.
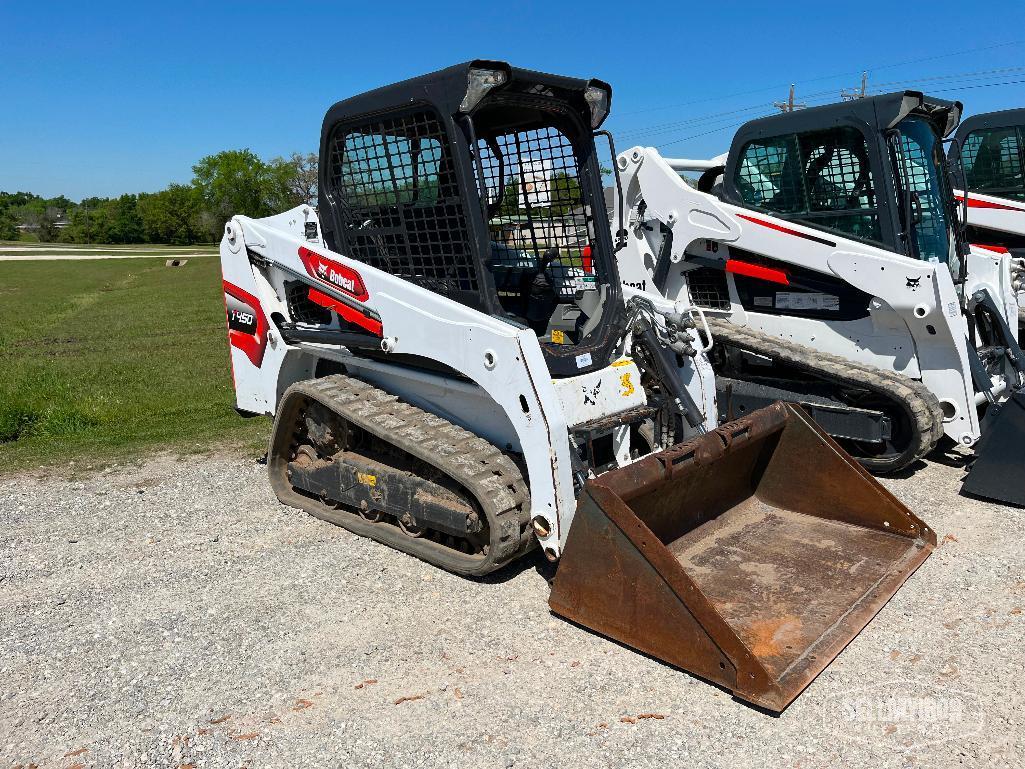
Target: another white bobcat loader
<point x="827" y="251"/>
<point x="443" y="350"/>
<point x="988" y="160"/>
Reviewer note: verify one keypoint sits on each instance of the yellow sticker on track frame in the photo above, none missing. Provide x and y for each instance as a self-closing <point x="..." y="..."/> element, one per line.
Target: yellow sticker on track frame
<point x="366" y="479"/>
<point x="558" y="336"/>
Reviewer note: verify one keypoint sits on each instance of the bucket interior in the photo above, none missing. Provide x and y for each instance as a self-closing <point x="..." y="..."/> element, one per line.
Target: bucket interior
<point x="786" y="537"/>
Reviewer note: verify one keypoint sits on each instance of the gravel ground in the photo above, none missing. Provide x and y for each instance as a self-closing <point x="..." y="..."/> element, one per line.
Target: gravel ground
<point x="172" y="614"/>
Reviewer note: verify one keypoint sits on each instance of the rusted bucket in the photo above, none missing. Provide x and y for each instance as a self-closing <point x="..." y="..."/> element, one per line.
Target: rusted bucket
<point x="750" y="556"/>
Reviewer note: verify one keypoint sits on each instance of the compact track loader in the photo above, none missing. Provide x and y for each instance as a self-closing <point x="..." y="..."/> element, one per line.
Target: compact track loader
<point x="988" y="160"/>
<point x="442" y="347"/>
<point x="827" y="251"/>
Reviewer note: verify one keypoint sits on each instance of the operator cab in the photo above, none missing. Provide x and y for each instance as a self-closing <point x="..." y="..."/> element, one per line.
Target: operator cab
<point x="484" y="186"/>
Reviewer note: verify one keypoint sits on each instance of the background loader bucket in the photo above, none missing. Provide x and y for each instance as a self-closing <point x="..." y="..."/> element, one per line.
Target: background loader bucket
<point x="996" y="471"/>
<point x="749" y="556"/>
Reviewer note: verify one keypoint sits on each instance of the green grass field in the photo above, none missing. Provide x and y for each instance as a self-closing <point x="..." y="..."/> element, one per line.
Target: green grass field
<point x="100" y="359"/>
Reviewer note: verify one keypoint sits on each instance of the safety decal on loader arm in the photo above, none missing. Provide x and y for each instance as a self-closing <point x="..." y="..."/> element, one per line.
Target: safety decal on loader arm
<point x="347" y="282"/>
<point x="334" y="274"/>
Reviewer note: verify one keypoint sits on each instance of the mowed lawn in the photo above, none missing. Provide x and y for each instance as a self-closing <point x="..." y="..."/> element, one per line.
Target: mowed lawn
<point x="100" y="359"/>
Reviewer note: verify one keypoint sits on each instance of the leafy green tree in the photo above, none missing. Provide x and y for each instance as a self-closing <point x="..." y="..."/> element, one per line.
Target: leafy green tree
<point x="80" y="226"/>
<point x="126" y="224"/>
<point x="225" y="184"/>
<point x="294" y="181"/>
<point x="42" y="220"/>
<point x="61" y="203"/>
<point x="8" y="225"/>
<point x="12" y="200"/>
<point x="173" y="215"/>
<point x="235" y="182"/>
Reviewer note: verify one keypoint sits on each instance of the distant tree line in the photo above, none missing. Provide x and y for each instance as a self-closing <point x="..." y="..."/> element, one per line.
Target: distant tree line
<point x="225" y="184"/>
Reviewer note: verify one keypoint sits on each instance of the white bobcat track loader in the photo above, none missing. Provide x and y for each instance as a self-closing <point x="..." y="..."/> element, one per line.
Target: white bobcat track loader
<point x="442" y="349"/>
<point x="988" y="160"/>
<point x="826" y="250"/>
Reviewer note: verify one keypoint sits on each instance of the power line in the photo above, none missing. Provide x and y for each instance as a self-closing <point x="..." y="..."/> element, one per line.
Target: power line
<point x="740" y="123"/>
<point x="664" y="127"/>
<point x="829" y="94"/>
<point x="704" y="133"/>
<point x="954" y="76"/>
<point x="826" y="77"/>
<point x="979" y="85"/>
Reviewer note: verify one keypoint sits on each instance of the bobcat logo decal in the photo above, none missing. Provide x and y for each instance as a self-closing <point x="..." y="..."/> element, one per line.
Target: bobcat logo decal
<point x="913" y="283"/>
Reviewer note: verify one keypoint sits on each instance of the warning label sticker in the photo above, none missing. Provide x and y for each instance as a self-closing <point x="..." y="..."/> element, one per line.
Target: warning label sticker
<point x="790" y="300"/>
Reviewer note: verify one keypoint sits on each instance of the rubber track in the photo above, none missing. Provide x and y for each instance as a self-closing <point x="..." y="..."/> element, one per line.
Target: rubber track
<point x="915" y="398"/>
<point x="483" y="470"/>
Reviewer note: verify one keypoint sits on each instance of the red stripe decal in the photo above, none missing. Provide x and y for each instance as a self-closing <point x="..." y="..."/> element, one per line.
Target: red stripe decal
<point x="738" y="267"/>
<point x="247" y="325"/>
<point x="334" y="274"/>
<point x="349" y="313"/>
<point x="976" y="203"/>
<point x="788" y="231"/>
<point x="997" y="249"/>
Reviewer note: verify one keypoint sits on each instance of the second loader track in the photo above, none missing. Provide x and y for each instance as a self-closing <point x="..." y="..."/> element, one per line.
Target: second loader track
<point x="914" y="399"/>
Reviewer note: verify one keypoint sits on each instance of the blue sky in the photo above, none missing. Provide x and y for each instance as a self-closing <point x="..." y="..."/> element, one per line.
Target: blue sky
<point x="106" y="97"/>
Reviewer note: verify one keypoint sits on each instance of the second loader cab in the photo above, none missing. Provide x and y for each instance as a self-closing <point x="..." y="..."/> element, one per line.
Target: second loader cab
<point x="991" y="148"/>
<point x="829" y="246"/>
<point x="871" y="169"/>
<point x="484" y="187"/>
<point x="988" y="159"/>
<point x="875" y="170"/>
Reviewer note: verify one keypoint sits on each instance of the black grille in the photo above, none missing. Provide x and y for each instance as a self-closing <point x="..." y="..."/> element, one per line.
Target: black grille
<point x="300" y="308"/>
<point x="539" y="222"/>
<point x="708" y="288"/>
<point x="394" y="186"/>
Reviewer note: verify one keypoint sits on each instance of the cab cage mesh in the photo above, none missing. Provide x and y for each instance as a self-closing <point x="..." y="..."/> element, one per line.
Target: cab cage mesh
<point x="994" y="159"/>
<point x="823" y="178"/>
<point x="397" y="198"/>
<point x="539" y="223"/>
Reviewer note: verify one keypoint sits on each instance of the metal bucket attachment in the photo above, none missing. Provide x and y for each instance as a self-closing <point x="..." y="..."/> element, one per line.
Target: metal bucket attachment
<point x="997" y="470"/>
<point x="750" y="556"/>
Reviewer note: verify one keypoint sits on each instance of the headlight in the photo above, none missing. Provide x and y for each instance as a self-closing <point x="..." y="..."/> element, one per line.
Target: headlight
<point x="598" y="100"/>
<point x="479" y="82"/>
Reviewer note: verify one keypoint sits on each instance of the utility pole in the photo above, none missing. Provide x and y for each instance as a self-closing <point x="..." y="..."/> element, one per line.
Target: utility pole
<point x="860" y="93"/>
<point x="789" y="105"/>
